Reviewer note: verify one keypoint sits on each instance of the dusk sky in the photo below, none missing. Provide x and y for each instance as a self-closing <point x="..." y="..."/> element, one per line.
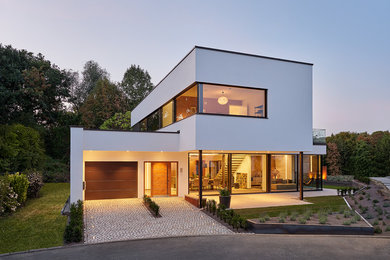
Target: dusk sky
<point x="348" y="42"/>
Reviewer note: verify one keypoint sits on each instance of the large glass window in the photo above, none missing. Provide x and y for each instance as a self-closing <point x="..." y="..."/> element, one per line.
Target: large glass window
<point x="283" y="175"/>
<point x="215" y="173"/>
<point x="229" y="100"/>
<point x="187" y="103"/>
<point x="167" y="114"/>
<point x="311" y="172"/>
<point x="249" y="173"/>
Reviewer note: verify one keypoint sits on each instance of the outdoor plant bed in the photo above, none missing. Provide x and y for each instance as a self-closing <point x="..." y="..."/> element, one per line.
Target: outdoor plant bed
<point x="152" y="206"/>
<point x="227" y="217"/>
<point x="373" y="203"/>
<point x="344" y="222"/>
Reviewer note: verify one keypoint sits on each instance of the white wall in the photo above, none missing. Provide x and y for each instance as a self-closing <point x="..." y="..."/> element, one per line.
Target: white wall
<point x="289" y="85"/>
<point x="141" y="157"/>
<point x="130" y="141"/>
<point x="180" y="78"/>
<point x="76" y="164"/>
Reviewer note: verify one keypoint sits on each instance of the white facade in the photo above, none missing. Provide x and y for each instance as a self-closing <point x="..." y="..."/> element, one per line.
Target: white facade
<point x="287" y="128"/>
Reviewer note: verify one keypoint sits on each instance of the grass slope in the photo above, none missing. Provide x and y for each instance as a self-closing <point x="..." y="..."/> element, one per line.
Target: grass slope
<point x="38" y="224"/>
<point x="334" y="202"/>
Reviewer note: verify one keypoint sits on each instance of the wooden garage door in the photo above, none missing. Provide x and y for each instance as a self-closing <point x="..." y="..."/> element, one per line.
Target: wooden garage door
<point x="110" y="180"/>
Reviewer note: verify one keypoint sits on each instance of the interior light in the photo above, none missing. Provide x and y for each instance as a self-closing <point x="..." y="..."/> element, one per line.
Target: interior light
<point x="222" y="100"/>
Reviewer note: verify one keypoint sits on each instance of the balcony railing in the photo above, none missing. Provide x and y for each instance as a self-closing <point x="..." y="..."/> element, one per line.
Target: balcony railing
<point x="319" y="136"/>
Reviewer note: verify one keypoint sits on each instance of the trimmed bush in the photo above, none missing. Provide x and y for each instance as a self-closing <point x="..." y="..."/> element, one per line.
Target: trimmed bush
<point x="55" y="171"/>
<point x="19" y="184"/>
<point x="152" y="205"/>
<point x="74" y="229"/>
<point x="35" y="183"/>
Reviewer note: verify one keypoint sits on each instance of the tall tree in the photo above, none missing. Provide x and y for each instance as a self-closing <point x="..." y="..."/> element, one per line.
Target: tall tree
<point x="136" y="84"/>
<point x="362" y="160"/>
<point x="102" y="103"/>
<point x="91" y="74"/>
<point x="333" y="159"/>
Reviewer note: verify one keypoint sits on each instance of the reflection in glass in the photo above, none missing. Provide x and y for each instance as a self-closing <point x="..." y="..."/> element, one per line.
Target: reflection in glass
<point x="187" y="103"/>
<point x="229" y="100"/>
<point x="311" y="172"/>
<point x="167" y="114"/>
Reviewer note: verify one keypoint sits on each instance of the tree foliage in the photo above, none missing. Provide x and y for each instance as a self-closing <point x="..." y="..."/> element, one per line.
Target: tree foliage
<point x="333" y="159"/>
<point x="92" y="73"/>
<point x="20" y="148"/>
<point x="102" y="103"/>
<point x="33" y="90"/>
<point x="119" y="121"/>
<point x="359" y="154"/>
<point x="136" y="84"/>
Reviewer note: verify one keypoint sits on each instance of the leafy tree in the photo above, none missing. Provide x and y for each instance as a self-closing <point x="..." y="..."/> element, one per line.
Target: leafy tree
<point x="20" y="148"/>
<point x="362" y="160"/>
<point x="333" y="159"/>
<point x="92" y="73"/>
<point x="119" y="121"/>
<point x="382" y="155"/>
<point x="32" y="90"/>
<point x="136" y="84"/>
<point x="102" y="103"/>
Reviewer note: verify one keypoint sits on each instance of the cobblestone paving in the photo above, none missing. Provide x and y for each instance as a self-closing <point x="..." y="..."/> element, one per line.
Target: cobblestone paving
<point x="124" y="219"/>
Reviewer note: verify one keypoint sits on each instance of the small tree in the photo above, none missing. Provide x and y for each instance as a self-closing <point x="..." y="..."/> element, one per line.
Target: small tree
<point x="119" y="121"/>
<point x="333" y="159"/>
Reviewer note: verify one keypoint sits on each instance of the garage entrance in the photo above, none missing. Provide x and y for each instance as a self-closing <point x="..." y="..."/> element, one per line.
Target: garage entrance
<point x="110" y="180"/>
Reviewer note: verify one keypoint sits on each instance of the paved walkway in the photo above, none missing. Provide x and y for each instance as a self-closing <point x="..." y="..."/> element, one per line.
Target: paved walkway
<point x="124" y="219"/>
<point x="384" y="180"/>
<point x="243" y="201"/>
<point x="227" y="247"/>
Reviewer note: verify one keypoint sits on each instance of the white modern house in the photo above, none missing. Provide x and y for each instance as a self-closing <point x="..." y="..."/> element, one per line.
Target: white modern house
<point x="219" y="119"/>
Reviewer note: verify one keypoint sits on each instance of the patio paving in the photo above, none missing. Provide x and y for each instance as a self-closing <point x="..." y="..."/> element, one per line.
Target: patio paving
<point x="126" y="219"/>
<point x="243" y="201"/>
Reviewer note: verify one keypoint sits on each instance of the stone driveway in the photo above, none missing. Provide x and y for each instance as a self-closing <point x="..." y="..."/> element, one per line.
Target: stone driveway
<point x="124" y="219"/>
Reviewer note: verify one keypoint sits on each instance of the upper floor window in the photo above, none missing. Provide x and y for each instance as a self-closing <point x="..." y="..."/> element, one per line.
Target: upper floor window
<point x="187" y="103"/>
<point x="167" y="114"/>
<point x="228" y="100"/>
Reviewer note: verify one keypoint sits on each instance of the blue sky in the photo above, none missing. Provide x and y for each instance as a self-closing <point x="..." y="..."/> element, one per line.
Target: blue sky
<point x="348" y="42"/>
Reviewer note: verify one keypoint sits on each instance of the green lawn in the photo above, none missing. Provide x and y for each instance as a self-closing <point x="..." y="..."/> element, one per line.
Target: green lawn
<point x="334" y="202"/>
<point x="38" y="224"/>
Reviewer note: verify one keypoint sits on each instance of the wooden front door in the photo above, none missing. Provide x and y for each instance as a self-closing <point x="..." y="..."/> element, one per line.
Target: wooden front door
<point x="161" y="178"/>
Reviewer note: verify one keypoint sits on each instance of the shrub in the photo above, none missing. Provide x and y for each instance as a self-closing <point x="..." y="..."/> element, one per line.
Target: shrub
<point x="377" y="230"/>
<point x="347" y="222"/>
<point x="369" y="216"/>
<point x="323" y="219"/>
<point x="376" y="222"/>
<point x="294" y="216"/>
<point x="363" y="179"/>
<point x="386" y="204"/>
<point x="347" y="213"/>
<point x="302" y="221"/>
<point x="387" y="228"/>
<point x="375" y="201"/>
<point x="55" y="171"/>
<point x="35" y="183"/>
<point x="243" y="223"/>
<point x="282" y="220"/>
<point x="262" y="220"/>
<point x="361" y="198"/>
<point x="224" y="192"/>
<point x="8" y="198"/>
<point x="152" y="205"/>
<point x="74" y="229"/>
<point x="19" y="183"/>
<point x="21" y="148"/>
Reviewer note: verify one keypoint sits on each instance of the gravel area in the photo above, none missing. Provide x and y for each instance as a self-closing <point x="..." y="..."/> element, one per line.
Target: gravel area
<point x="126" y="219"/>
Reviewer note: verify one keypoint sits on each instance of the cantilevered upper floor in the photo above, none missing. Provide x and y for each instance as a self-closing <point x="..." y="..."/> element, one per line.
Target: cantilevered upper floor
<point x="223" y="100"/>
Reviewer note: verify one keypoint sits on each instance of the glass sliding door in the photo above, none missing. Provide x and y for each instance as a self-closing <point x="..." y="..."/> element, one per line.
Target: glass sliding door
<point x="283" y="177"/>
<point x="248" y="173"/>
